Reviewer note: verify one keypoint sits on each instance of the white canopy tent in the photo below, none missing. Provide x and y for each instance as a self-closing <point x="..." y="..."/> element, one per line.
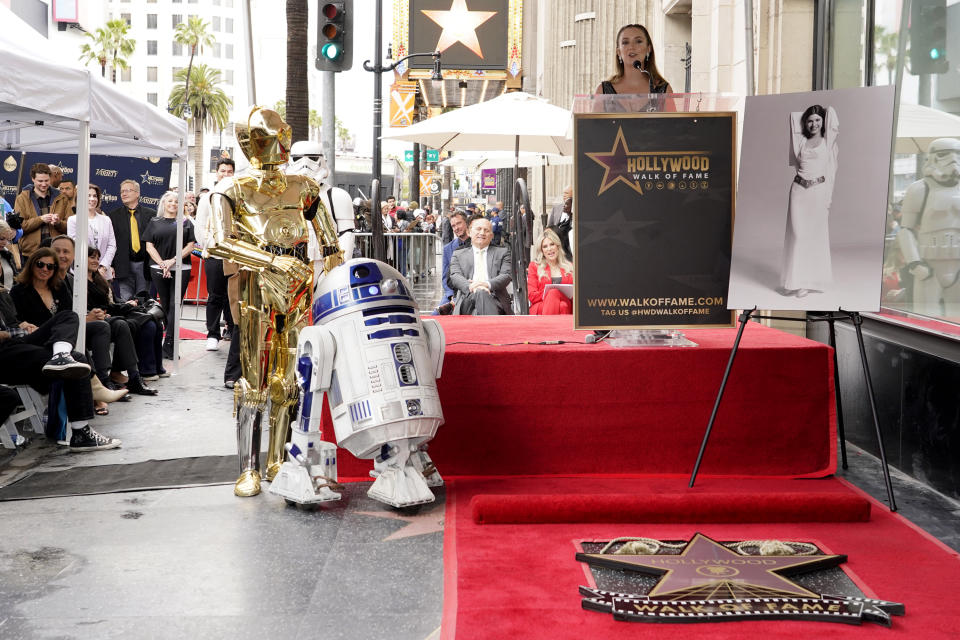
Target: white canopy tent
<point x="58" y="107"/>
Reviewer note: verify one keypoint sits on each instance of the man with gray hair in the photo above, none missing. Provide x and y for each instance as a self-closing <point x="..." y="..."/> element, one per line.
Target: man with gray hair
<point x="130" y="220"/>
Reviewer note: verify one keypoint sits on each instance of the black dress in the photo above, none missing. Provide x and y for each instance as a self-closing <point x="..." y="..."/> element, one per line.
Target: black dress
<point x="162" y="234"/>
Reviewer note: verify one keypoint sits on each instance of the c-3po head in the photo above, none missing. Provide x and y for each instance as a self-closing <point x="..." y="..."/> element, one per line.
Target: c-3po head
<point x="266" y="140"/>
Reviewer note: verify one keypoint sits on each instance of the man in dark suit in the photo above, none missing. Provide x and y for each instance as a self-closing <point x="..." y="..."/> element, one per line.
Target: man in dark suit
<point x="480" y="274"/>
<point x="130" y="220"/>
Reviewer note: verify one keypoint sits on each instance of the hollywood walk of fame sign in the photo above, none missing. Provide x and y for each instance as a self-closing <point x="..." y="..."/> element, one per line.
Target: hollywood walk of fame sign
<point x="710" y="582"/>
<point x="653" y="219"/>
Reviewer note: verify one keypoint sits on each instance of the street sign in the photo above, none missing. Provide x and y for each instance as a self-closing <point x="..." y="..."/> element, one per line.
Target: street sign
<point x="408" y="155"/>
<point x="433" y="155"/>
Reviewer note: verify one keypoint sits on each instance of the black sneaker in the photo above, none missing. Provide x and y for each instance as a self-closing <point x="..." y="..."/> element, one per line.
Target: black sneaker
<point x="87" y="439"/>
<point x="62" y="365"/>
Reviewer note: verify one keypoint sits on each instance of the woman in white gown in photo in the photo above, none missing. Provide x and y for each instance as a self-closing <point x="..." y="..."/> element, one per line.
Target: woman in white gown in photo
<point x="806" y="259"/>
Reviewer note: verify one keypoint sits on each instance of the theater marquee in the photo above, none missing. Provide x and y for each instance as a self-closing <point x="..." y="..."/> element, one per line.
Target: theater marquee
<point x="653" y="219"/>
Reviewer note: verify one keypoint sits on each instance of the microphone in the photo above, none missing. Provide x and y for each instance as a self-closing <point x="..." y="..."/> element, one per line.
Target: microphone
<point x="639" y="65"/>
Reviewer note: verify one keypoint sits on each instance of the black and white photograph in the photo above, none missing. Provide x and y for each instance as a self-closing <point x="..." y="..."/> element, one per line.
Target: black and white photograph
<point x="812" y="195"/>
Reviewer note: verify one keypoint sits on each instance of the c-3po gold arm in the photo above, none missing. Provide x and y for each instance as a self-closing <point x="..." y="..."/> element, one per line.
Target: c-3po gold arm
<point x="325" y="228"/>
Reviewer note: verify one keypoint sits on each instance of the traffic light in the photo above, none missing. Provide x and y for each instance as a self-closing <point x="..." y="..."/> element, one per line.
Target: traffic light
<point x="335" y="36"/>
<point x="928" y="37"/>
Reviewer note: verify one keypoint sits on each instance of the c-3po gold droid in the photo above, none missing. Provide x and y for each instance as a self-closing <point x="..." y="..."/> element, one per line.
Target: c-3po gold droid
<point x="259" y="221"/>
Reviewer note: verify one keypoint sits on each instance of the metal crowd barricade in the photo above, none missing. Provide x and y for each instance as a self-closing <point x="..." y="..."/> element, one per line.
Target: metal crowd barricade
<point x="415" y="255"/>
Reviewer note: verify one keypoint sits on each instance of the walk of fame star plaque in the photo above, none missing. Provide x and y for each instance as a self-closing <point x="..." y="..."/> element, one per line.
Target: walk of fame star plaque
<point x="711" y="582"/>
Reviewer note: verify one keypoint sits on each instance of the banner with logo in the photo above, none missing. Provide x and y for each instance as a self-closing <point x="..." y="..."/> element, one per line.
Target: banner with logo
<point x="426" y="182"/>
<point x="488" y="180"/>
<point x="653" y="219"/>
<point x="402" y="98"/>
<point x="107" y="172"/>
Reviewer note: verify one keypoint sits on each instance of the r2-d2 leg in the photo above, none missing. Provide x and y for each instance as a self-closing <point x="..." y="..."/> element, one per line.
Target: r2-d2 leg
<point x="404" y="474"/>
<point x="309" y="475"/>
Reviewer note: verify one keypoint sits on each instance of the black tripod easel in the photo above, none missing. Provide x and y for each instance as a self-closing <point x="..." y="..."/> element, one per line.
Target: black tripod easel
<point x="830" y="319"/>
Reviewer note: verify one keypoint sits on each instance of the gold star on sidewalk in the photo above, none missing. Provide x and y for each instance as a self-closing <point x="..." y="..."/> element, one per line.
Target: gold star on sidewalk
<point x="459" y="25"/>
<point x="428" y="520"/>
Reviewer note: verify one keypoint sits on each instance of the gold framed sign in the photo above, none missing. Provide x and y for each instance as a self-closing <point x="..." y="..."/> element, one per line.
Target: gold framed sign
<point x="654" y="199"/>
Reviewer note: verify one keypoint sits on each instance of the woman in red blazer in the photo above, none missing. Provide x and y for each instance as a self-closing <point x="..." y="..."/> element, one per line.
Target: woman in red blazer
<point x="550" y="266"/>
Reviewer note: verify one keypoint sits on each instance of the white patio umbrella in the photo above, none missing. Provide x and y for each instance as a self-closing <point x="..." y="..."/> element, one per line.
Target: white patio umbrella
<point x="504" y="160"/>
<point x="918" y="126"/>
<point x="510" y="122"/>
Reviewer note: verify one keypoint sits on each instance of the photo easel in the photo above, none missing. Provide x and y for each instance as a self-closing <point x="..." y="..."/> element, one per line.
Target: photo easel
<point x="829" y="318"/>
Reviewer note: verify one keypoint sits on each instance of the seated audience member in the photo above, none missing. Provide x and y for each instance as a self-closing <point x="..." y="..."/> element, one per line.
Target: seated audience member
<point x="25" y="352"/>
<point x="9" y="262"/>
<point x="99" y="231"/>
<point x="30" y="296"/>
<point x="461" y="239"/>
<point x="9" y="401"/>
<point x="480" y="274"/>
<point x="146" y="331"/>
<point x="160" y="238"/>
<point x="549" y="266"/>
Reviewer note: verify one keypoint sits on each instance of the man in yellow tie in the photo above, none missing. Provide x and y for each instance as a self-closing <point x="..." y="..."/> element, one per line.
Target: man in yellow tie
<point x="130" y="220"/>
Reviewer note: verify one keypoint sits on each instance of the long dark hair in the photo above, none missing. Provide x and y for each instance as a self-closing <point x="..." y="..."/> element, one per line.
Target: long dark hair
<point x="96" y="279"/>
<point x="26" y="276"/>
<point x="814" y="109"/>
<point x="650" y="65"/>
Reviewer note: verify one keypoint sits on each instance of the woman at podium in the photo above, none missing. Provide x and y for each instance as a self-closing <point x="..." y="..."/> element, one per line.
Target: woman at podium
<point x="806" y="254"/>
<point x="550" y="267"/>
<point x="636" y="65"/>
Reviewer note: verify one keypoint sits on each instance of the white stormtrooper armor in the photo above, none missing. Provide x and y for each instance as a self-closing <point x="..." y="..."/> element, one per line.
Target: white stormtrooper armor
<point x="306" y="158"/>
<point x="378" y="362"/>
<point x="930" y="234"/>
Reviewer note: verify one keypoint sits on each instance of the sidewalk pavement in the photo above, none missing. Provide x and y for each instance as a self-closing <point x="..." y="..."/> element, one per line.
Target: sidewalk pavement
<point x="199" y="562"/>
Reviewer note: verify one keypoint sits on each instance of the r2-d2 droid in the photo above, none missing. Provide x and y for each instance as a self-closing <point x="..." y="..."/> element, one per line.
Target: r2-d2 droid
<point x="378" y="363"/>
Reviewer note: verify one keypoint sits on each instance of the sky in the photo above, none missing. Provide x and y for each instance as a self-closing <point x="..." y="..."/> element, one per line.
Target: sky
<point x="354" y="88"/>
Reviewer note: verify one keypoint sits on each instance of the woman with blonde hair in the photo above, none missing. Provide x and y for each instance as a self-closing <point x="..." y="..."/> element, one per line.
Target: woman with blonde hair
<point x="549" y="266"/>
<point x="160" y="238"/>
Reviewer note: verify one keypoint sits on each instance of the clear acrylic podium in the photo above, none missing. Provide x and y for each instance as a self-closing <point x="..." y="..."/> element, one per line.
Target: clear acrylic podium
<point x="614" y="104"/>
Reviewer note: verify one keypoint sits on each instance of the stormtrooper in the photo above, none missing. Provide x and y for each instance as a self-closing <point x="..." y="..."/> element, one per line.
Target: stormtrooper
<point x="930" y="231"/>
<point x="307" y="159"/>
<point x="377" y="361"/>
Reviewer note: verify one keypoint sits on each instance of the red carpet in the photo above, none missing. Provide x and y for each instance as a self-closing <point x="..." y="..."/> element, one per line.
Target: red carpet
<point x="189" y="334"/>
<point x="678" y="508"/>
<point x="567" y="409"/>
<point x="520" y="581"/>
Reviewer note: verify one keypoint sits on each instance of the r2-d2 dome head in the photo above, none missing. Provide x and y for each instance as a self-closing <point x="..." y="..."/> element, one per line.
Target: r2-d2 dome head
<point x="307" y="157"/>
<point x="361" y="284"/>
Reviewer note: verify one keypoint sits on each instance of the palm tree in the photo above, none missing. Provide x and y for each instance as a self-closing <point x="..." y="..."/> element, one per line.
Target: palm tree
<point x="109" y="45"/>
<point x="194" y="34"/>
<point x="122" y="47"/>
<point x="98" y="50"/>
<point x="281" y="108"/>
<point x="315" y="122"/>
<point x="886" y="43"/>
<point x="343" y="134"/>
<point x="209" y="107"/>
<point x="298" y="102"/>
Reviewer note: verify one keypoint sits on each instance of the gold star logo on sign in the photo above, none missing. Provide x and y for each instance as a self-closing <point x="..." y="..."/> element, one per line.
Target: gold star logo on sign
<point x="459" y="24"/>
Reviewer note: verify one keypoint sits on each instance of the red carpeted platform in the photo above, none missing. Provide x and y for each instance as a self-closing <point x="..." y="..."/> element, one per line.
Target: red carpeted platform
<point x="520" y="580"/>
<point x="567" y="409"/>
